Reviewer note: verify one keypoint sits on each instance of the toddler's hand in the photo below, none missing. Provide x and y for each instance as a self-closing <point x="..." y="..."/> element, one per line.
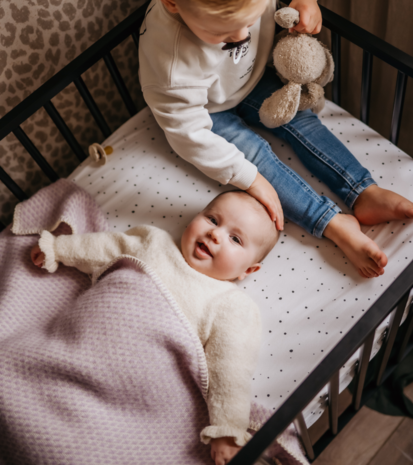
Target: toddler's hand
<point x="263" y="191"/>
<point x="223" y="449"/>
<point x="310" y="16"/>
<point x="37" y="256"/>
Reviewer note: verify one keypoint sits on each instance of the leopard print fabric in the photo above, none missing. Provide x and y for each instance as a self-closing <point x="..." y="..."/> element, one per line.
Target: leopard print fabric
<point x="37" y="39"/>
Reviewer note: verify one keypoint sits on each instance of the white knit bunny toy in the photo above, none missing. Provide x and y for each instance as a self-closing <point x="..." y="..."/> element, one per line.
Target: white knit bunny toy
<point x="305" y="65"/>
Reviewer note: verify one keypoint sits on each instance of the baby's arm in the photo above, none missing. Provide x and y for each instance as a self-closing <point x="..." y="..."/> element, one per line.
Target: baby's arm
<point x="310" y="16"/>
<point x="231" y="352"/>
<point x="86" y="252"/>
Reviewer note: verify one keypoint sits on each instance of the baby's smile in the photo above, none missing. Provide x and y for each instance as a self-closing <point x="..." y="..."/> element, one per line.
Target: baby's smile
<point x="203" y="249"/>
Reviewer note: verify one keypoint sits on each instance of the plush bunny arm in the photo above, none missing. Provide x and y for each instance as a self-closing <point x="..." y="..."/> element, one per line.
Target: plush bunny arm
<point x="281" y="107"/>
<point x="311" y="97"/>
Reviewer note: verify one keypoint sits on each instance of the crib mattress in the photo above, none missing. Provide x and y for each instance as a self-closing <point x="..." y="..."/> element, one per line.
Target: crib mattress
<point x="308" y="292"/>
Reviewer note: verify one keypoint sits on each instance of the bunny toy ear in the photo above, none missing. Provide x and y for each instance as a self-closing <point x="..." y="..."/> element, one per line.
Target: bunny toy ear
<point x="287" y="17"/>
<point x="281" y="107"/>
<point x="328" y="73"/>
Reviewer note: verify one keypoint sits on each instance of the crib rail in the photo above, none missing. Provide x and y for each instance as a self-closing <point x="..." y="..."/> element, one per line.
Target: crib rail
<point x="361" y="335"/>
<point x="11" y="122"/>
<point x="326" y="372"/>
<point x="372" y="46"/>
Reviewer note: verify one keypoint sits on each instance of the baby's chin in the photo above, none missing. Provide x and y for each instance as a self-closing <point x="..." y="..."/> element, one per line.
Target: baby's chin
<point x="215" y="274"/>
<point x="199" y="265"/>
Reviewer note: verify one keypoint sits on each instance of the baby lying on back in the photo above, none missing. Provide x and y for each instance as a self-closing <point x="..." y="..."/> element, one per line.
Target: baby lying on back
<point x="225" y="242"/>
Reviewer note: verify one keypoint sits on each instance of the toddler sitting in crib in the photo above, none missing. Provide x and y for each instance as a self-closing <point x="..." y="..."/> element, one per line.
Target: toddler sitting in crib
<point x="203" y="73"/>
<point x="225" y="242"/>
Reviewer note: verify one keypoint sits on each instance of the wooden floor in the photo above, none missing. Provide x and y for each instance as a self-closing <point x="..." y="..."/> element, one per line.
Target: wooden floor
<point x="372" y="438"/>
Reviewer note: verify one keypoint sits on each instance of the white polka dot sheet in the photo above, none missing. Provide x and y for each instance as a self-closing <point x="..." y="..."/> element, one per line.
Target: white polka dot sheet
<point x="308" y="292"/>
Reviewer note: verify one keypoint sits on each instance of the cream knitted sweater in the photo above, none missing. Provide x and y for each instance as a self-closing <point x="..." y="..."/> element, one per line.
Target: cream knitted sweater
<point x="226" y="320"/>
<point x="183" y="79"/>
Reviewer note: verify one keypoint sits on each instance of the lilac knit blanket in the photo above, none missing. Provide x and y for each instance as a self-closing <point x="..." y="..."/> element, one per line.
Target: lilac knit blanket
<point x="104" y="374"/>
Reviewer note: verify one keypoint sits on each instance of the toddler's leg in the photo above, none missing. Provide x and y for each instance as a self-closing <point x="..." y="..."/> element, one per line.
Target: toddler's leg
<point x="301" y="204"/>
<point x="327" y="158"/>
<point x="318" y="149"/>
<point x="330" y="160"/>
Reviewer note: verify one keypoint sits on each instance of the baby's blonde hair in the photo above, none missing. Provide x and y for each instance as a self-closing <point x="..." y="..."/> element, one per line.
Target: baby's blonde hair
<point x="225" y="9"/>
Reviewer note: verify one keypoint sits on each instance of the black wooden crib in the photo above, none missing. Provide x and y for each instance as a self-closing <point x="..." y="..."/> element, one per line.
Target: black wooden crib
<point x="362" y="333"/>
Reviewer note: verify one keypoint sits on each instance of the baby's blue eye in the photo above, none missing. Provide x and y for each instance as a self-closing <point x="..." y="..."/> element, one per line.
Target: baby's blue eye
<point x="213" y="220"/>
<point x="235" y="239"/>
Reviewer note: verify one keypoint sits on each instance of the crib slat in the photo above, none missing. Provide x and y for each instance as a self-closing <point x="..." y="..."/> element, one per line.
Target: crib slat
<point x="391" y="336"/>
<point x="336" y="50"/>
<point x="11" y="185"/>
<point x="362" y="369"/>
<point x="35" y="154"/>
<point x="398" y="106"/>
<point x="120" y="84"/>
<point x="366" y="86"/>
<point x="407" y="333"/>
<point x="301" y="427"/>
<point x="93" y="108"/>
<point x="65" y="131"/>
<point x="333" y="390"/>
<point x="135" y="38"/>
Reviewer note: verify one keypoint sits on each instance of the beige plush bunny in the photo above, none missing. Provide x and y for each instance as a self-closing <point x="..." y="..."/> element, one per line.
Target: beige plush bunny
<point x="305" y="65"/>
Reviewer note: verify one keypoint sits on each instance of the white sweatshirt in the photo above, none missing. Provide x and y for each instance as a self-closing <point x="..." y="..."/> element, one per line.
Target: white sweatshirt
<point x="183" y="79"/>
<point x="226" y="320"/>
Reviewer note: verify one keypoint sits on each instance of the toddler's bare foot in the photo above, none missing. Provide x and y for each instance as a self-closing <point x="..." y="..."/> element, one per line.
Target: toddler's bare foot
<point x="376" y="205"/>
<point x="364" y="254"/>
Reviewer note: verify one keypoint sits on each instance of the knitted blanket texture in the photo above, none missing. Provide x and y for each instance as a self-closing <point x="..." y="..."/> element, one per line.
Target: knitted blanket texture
<point x="106" y="374"/>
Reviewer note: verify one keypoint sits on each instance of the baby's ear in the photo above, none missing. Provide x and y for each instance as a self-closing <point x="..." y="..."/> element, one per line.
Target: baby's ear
<point x="252" y="269"/>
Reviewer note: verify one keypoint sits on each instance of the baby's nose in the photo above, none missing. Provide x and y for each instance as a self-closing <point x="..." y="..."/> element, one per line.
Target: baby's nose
<point x="214" y="235"/>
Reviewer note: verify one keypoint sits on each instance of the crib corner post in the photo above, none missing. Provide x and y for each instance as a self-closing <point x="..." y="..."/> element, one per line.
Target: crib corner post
<point x="333" y="391"/>
<point x="362" y="369"/>
<point x="301" y="427"/>
<point x="391" y="336"/>
<point x="408" y="329"/>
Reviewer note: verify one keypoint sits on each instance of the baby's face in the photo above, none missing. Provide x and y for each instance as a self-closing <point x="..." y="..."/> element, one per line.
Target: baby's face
<point x="225" y="240"/>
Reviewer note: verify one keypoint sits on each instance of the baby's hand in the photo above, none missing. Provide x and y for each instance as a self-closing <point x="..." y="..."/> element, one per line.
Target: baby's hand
<point x="263" y="191"/>
<point x="37" y="256"/>
<point x="310" y="16"/>
<point x="223" y="449"/>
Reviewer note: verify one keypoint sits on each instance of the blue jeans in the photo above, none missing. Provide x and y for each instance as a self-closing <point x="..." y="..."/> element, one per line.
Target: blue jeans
<point x="318" y="149"/>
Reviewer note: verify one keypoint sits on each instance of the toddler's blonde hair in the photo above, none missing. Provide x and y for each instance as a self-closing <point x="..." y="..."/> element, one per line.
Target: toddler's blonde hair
<point x="226" y="9"/>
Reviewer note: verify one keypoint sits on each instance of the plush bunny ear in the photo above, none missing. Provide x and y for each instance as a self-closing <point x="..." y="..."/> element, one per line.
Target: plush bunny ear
<point x="312" y="97"/>
<point x="328" y="73"/>
<point x="281" y="107"/>
<point x="287" y="17"/>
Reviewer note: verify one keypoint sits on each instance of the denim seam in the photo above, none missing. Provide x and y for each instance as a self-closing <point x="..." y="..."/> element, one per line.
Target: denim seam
<point x="251" y="103"/>
<point x="320" y="155"/>
<point x="295" y="176"/>
<point x="284" y="166"/>
<point x="357" y="190"/>
<point x="315" y="230"/>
